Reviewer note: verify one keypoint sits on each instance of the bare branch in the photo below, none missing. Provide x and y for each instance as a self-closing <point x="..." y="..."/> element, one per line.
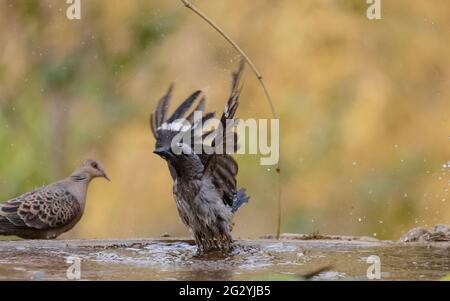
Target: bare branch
<point x="260" y="79"/>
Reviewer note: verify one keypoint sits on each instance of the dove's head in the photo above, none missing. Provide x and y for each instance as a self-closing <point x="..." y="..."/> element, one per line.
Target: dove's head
<point x="91" y="169"/>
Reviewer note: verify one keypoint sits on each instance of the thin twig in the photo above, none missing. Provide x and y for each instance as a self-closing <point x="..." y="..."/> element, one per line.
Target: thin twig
<point x="261" y="81"/>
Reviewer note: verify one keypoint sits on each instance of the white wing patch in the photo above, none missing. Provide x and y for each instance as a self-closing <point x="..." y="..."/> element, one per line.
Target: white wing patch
<point x="176" y="126"/>
<point x="226" y="111"/>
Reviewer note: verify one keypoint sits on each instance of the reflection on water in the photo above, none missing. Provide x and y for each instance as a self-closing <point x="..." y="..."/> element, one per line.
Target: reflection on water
<point x="250" y="260"/>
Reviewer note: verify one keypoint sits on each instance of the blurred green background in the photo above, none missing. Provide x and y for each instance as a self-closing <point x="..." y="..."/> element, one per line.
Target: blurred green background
<point x="364" y="108"/>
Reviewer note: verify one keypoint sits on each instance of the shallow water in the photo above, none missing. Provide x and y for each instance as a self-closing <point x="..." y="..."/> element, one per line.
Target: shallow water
<point x="250" y="260"/>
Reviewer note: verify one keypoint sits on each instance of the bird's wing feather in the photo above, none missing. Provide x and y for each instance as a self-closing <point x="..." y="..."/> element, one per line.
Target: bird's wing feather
<point x="165" y="129"/>
<point x="222" y="168"/>
<point x="44" y="208"/>
<point x="199" y="108"/>
<point x="184" y="107"/>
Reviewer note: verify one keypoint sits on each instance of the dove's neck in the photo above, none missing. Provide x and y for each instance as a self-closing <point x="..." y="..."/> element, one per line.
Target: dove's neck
<point x="78" y="189"/>
<point x="81" y="176"/>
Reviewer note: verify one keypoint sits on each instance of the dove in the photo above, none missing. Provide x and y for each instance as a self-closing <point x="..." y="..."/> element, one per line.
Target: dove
<point x="204" y="184"/>
<point x="49" y="211"/>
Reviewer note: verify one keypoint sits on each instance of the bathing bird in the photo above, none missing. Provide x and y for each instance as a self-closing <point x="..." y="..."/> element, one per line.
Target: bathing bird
<point x="204" y="183"/>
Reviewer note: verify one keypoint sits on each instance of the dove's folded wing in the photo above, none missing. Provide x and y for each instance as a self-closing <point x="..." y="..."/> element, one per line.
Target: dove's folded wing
<point x="41" y="209"/>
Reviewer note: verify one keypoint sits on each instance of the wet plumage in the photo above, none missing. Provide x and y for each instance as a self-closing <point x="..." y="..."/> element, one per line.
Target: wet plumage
<point x="204" y="188"/>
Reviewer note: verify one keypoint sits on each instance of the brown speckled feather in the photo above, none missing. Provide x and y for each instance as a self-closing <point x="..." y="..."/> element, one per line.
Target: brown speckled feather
<point x="49" y="211"/>
<point x="45" y="208"/>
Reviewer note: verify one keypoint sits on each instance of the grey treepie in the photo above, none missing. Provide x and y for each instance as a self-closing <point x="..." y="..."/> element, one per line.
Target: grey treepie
<point x="204" y="184"/>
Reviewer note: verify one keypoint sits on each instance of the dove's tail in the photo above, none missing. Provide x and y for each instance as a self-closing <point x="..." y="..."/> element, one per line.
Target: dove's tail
<point x="5" y="226"/>
<point x="239" y="199"/>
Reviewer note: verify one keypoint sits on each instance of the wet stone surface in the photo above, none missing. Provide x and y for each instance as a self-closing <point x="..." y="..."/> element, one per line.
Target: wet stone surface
<point x="265" y="259"/>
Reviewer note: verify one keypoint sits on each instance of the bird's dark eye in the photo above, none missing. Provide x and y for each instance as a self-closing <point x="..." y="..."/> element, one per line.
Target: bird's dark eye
<point x="94" y="165"/>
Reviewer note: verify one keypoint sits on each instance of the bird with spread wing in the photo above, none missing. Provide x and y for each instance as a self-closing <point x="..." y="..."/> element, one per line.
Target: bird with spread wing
<point x="204" y="188"/>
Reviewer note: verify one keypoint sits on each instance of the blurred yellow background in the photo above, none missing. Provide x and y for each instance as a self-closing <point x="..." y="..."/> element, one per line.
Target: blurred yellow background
<point x="364" y="108"/>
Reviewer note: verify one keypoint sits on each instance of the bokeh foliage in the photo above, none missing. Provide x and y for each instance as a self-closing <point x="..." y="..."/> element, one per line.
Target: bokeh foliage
<point x="364" y="108"/>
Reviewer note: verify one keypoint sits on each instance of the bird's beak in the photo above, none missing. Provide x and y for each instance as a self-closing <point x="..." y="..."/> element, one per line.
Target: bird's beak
<point x="162" y="153"/>
<point x="106" y="176"/>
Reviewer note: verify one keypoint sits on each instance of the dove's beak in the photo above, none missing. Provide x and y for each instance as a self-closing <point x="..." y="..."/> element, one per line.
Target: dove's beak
<point x="106" y="177"/>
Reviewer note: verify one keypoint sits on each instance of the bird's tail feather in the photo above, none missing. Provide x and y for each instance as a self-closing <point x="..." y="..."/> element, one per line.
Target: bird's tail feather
<point x="240" y="199"/>
<point x="6" y="227"/>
